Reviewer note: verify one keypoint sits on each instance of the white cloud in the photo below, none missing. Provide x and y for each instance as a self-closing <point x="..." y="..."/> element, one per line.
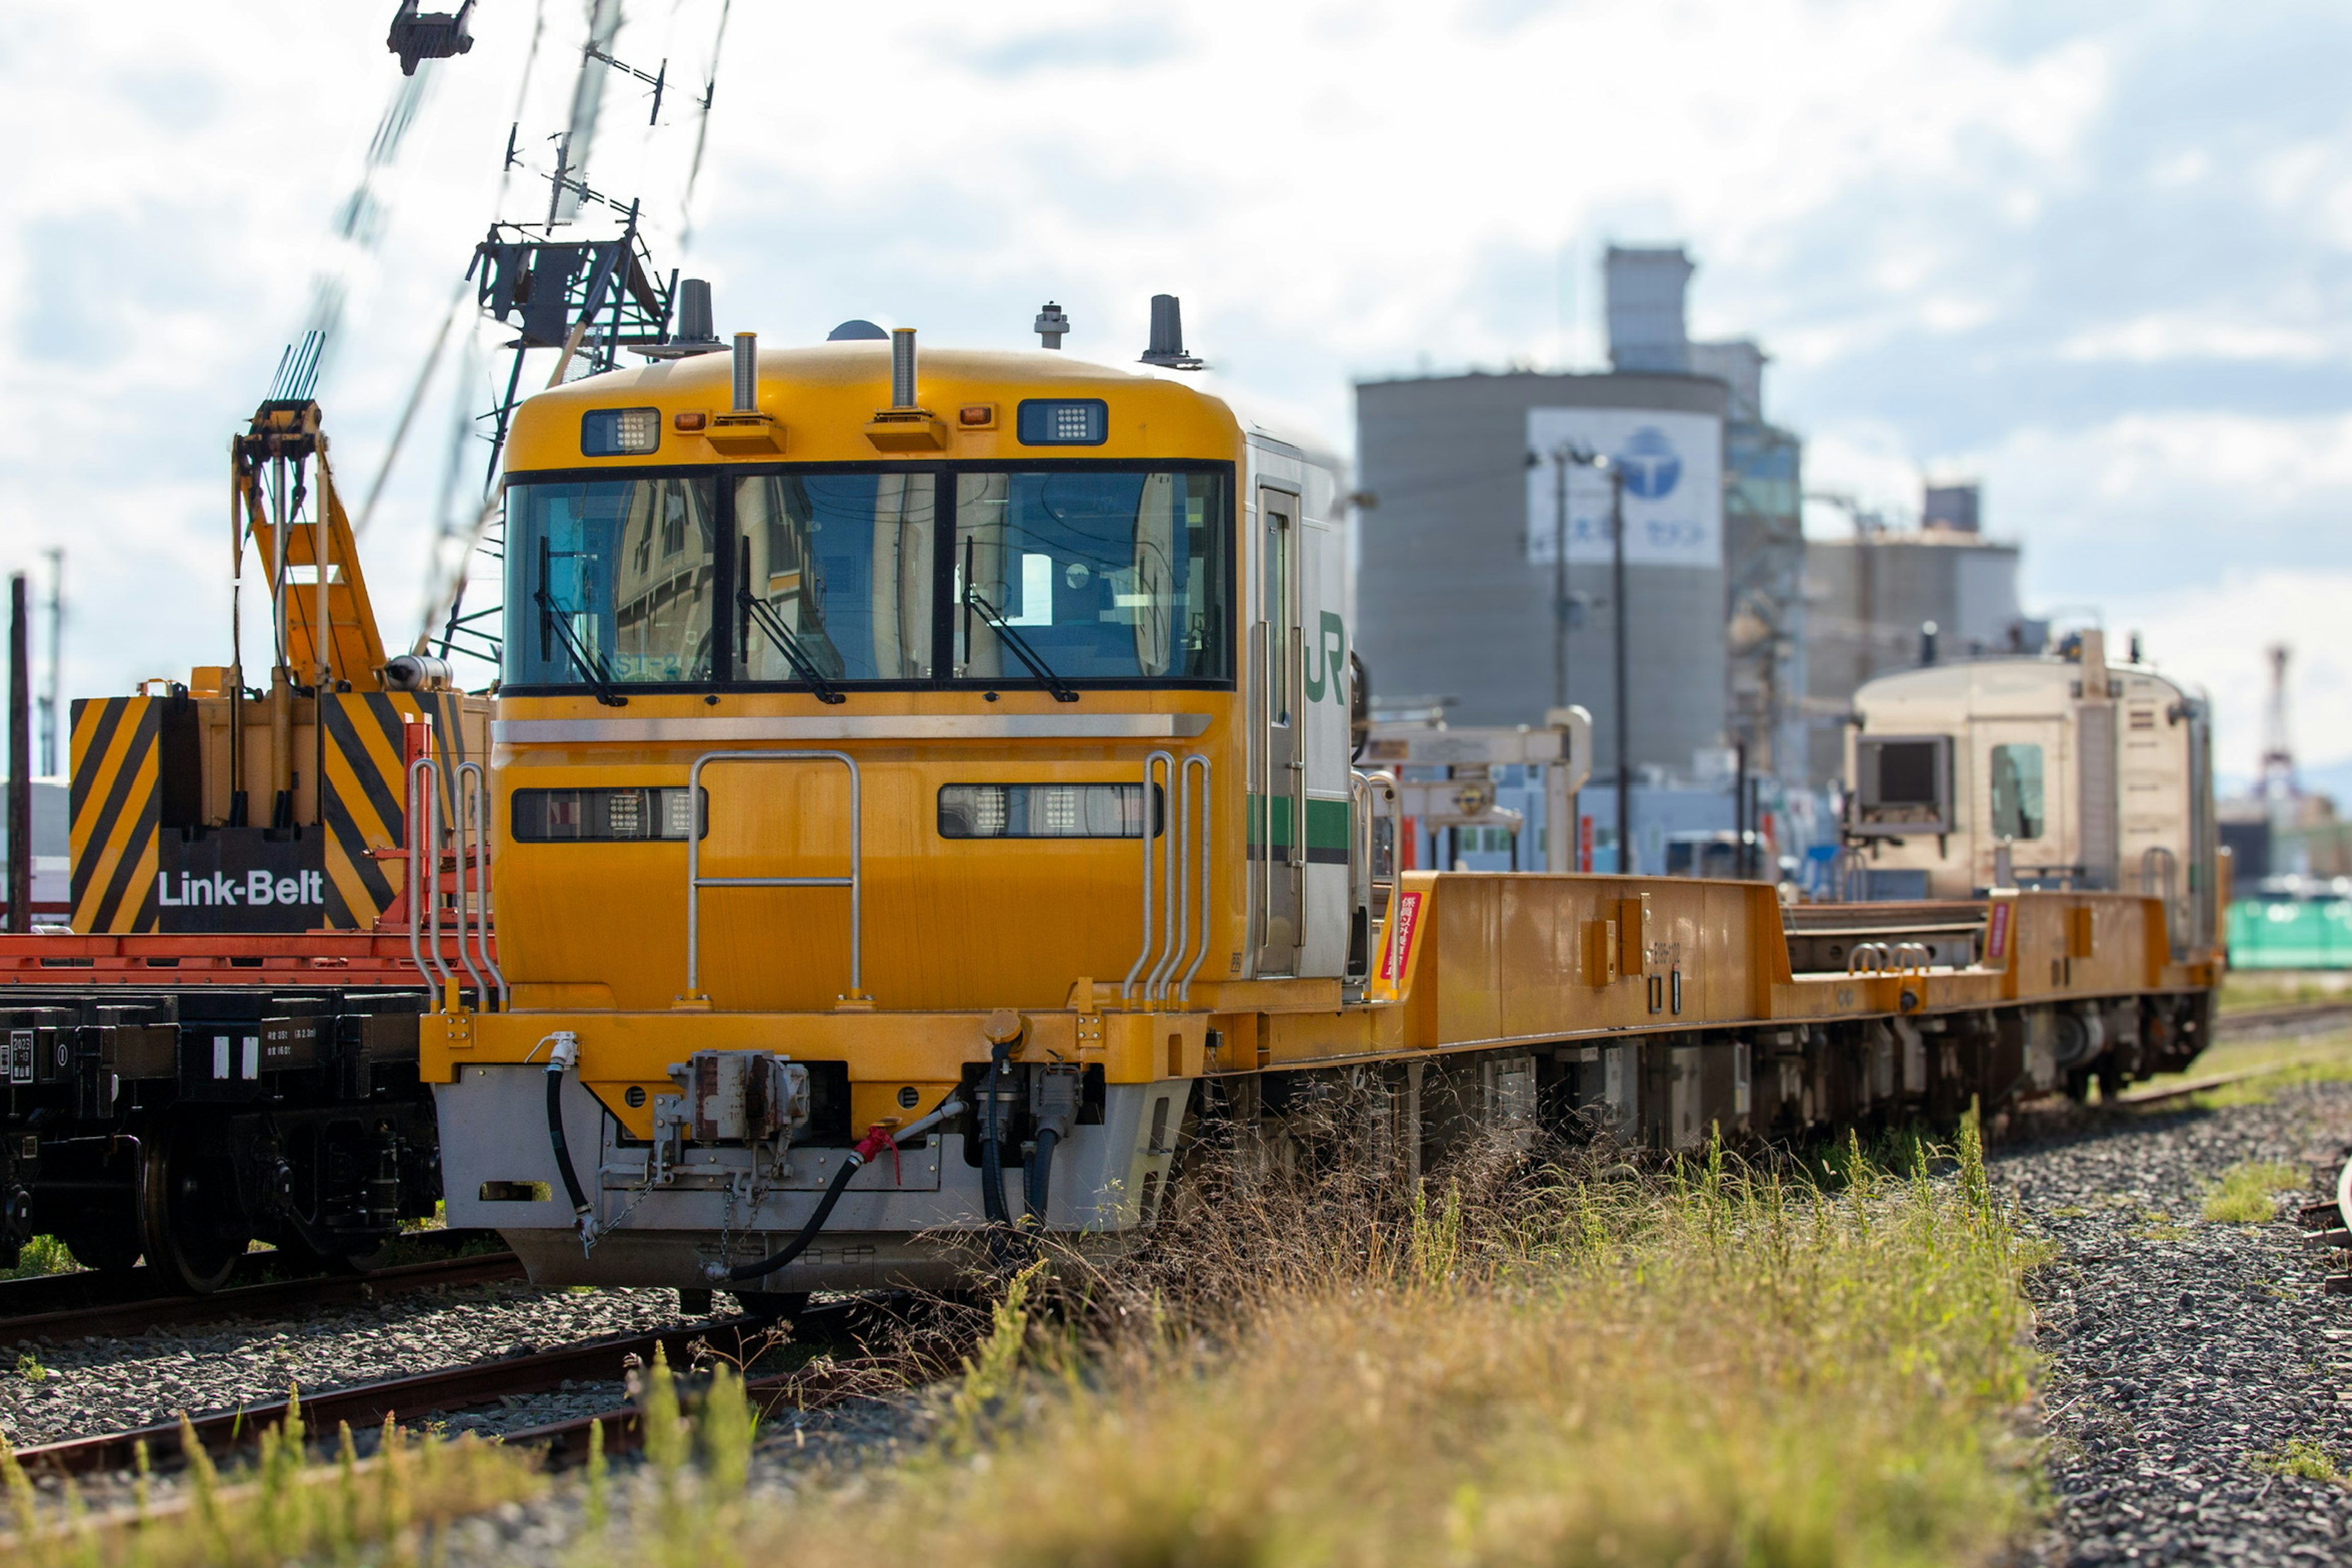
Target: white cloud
<point x="1332" y="187"/>
<point x="2219" y="632"/>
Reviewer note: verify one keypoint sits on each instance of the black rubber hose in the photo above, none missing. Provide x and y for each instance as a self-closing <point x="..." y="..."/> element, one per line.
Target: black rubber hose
<point x="571" y="1188"/>
<point x="992" y="1149"/>
<point x="799" y="1243"/>
<point x="1039" y="1183"/>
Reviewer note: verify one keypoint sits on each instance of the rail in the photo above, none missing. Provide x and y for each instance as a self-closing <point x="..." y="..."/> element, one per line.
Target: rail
<point x="1176" y="855"/>
<point x="696" y="881"/>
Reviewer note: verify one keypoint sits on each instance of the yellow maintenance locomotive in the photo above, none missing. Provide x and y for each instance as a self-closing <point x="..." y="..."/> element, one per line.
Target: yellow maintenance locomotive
<point x="916" y="778"/>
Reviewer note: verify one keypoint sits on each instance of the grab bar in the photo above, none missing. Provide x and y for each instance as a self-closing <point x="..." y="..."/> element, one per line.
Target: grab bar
<point x="1152" y="763"/>
<point x="424" y="872"/>
<point x="477" y="813"/>
<point x="1175" y="864"/>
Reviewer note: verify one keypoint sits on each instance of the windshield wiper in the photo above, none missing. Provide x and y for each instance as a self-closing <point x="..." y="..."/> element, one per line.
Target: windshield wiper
<point x="761" y="613"/>
<point x="591" y="668"/>
<point x="1062" y="690"/>
<point x="972" y="600"/>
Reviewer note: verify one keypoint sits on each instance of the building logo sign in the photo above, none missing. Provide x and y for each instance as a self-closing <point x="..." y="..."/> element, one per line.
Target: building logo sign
<point x="1651" y="466"/>
<point x="1673" y="464"/>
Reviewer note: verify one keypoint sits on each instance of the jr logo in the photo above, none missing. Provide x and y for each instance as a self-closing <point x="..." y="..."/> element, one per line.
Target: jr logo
<point x="1327" y="661"/>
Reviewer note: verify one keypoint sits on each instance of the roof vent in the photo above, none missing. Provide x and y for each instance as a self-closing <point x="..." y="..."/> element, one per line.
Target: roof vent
<point x="1051" y="325"/>
<point x="696" y="333"/>
<point x="857" y="332"/>
<point x="1168" y="335"/>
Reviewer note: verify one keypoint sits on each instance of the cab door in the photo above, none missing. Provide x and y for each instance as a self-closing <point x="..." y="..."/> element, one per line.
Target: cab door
<point x="2022" y="796"/>
<point x="1277" y="846"/>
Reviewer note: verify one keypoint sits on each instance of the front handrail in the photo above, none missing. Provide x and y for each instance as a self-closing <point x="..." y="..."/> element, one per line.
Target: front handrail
<point x="696" y="881"/>
<point x="1201" y="851"/>
<point x="424" y="872"/>
<point x="1176" y="852"/>
<point x="477" y="812"/>
<point x="1152" y="762"/>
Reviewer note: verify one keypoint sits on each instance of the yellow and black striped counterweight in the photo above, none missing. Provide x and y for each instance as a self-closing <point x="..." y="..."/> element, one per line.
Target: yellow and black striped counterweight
<point x="158" y="844"/>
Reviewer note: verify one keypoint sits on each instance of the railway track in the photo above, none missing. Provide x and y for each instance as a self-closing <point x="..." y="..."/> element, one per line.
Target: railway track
<point x="33" y="1314"/>
<point x="2284" y="1018"/>
<point x="2330" y="1226"/>
<point x="450" y="1390"/>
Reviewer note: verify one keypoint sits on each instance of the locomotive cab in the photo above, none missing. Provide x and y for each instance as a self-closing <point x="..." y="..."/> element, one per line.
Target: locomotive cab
<point x="2060" y="773"/>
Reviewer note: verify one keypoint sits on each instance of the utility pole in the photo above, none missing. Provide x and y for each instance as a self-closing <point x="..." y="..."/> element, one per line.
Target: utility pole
<point x="20" y="762"/>
<point x="51" y="712"/>
<point x="1617" y="594"/>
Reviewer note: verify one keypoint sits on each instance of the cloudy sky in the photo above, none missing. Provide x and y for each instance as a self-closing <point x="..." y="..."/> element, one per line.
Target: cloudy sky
<point x="2096" y="254"/>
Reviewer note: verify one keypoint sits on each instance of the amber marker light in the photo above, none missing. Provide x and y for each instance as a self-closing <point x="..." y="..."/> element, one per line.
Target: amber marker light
<point x="977" y="415"/>
<point x="691" y="421"/>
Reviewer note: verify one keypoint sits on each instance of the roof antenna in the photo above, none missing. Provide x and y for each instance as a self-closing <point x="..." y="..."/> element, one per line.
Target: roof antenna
<point x="1168" y="335"/>
<point x="1051" y="325"/>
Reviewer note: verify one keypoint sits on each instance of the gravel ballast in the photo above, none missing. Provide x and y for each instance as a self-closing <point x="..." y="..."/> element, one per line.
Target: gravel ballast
<point x="2185" y="1353"/>
<point x="58" y="1389"/>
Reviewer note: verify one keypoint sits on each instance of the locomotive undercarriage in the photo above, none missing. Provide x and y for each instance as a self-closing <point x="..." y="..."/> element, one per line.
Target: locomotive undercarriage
<point x="181" y="1127"/>
<point x="666" y="1216"/>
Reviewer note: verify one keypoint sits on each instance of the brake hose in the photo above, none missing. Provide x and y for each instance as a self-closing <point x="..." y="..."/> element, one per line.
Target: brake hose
<point x="991" y="1151"/>
<point x="1038" y="1181"/>
<point x="565" y="1055"/>
<point x="878" y="1138"/>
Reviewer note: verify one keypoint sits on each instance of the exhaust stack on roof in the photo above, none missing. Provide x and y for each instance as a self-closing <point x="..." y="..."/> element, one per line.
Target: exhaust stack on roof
<point x="902" y="368"/>
<point x="905" y="425"/>
<point x="747" y="372"/>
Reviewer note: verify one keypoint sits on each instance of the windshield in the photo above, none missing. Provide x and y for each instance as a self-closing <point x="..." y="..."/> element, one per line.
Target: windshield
<point x="845" y="563"/>
<point x="830" y="579"/>
<point x="613" y="582"/>
<point x="1093" y="574"/>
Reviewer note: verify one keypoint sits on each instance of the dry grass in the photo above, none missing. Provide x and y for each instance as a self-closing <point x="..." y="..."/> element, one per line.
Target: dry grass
<point x="1715" y="1366"/>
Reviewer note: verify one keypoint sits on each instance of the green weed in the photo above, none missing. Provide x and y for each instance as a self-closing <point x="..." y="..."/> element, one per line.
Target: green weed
<point x="2245" y="1194"/>
<point x="287" y="1507"/>
<point x="42" y="1255"/>
<point x="2301" y="1458"/>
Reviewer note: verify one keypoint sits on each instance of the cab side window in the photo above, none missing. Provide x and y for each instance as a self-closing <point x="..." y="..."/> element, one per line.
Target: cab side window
<point x="2017" y="792"/>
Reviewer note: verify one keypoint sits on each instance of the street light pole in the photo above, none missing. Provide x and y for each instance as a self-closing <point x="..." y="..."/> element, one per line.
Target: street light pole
<point x="1561" y="455"/>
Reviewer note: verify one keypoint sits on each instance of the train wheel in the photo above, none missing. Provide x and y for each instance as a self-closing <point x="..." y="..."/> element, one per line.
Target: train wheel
<point x="770" y="1306"/>
<point x="189" y="1217"/>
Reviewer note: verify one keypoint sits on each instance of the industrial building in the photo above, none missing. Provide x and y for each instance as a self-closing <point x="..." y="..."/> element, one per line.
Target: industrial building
<point x="1464" y="605"/>
<point x="1456" y="589"/>
<point x="1885" y="599"/>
